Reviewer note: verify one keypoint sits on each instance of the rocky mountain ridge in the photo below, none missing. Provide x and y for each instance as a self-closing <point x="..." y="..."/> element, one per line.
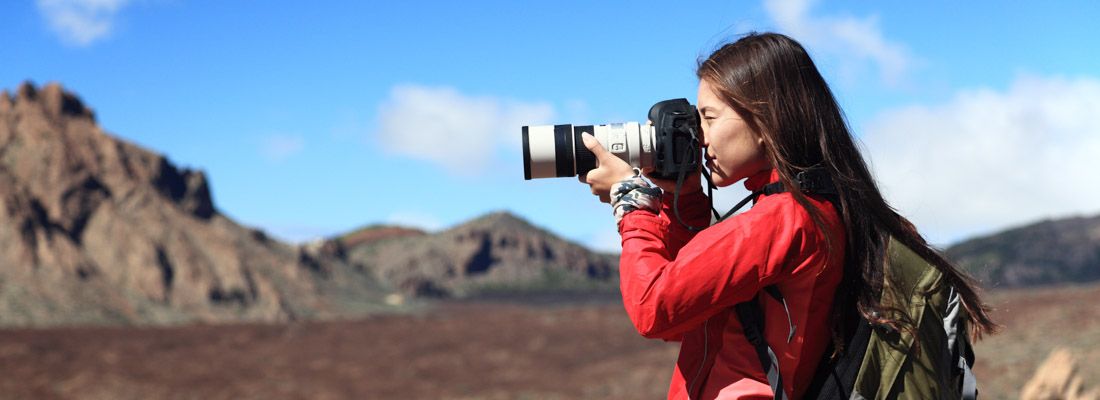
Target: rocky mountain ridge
<point x="495" y="252"/>
<point x="1053" y="251"/>
<point x="97" y="230"/>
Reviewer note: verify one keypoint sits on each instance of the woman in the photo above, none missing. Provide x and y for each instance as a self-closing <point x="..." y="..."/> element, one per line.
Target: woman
<point x="766" y="115"/>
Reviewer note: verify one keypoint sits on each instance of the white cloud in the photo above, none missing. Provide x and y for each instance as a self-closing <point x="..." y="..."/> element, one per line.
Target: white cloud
<point x="81" y="22"/>
<point x="987" y="160"/>
<point x="854" y="42"/>
<point x="458" y="131"/>
<point x="278" y="148"/>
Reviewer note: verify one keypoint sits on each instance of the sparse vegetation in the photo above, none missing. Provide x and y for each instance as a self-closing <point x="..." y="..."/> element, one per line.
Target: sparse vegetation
<point x="525" y="347"/>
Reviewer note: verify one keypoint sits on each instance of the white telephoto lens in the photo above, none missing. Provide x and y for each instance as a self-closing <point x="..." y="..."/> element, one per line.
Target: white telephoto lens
<point x="551" y="151"/>
<point x="542" y="153"/>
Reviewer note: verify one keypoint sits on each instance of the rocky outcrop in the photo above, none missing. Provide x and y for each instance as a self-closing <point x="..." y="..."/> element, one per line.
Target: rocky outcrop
<point x="1058" y="378"/>
<point x="98" y="230"/>
<point x="1047" y="252"/>
<point x="499" y="251"/>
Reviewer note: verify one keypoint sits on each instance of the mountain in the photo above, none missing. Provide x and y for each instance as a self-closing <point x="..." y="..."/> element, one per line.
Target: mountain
<point x="1047" y="252"/>
<point x="496" y="252"/>
<point x="373" y="233"/>
<point x="98" y="230"/>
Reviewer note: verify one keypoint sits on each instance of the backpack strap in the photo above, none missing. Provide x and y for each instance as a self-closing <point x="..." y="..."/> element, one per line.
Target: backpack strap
<point x="969" y="383"/>
<point x="752" y="324"/>
<point x="812" y="180"/>
<point x="778" y="296"/>
<point x="959" y="345"/>
<point x="835" y="377"/>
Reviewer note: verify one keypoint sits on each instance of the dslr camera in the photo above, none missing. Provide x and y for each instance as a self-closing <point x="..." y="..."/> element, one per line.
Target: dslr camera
<point x="668" y="144"/>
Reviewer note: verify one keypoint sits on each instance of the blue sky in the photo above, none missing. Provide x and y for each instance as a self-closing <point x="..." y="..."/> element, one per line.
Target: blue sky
<point x="314" y="118"/>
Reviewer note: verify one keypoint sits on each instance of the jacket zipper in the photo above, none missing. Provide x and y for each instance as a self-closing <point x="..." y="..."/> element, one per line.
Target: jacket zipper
<point x="703" y="363"/>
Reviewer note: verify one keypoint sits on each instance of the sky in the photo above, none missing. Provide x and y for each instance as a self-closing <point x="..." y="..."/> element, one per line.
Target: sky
<point x="311" y="119"/>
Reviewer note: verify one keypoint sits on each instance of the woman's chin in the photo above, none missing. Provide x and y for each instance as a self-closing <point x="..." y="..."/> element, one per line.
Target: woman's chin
<point x="719" y="180"/>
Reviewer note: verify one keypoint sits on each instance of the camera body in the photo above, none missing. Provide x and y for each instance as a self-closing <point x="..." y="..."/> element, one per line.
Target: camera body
<point x="668" y="144"/>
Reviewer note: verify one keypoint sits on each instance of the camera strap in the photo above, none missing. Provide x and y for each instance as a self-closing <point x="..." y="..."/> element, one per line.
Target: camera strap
<point x="679" y="186"/>
<point x="811" y="180"/>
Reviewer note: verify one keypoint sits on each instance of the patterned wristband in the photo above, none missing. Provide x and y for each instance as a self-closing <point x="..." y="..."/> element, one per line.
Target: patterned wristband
<point x="634" y="193"/>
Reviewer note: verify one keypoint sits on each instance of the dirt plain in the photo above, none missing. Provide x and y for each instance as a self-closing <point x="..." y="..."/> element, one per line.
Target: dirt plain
<point x="562" y="348"/>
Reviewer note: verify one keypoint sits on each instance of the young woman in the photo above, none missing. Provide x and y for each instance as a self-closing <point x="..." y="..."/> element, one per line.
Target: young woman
<point x="766" y="115"/>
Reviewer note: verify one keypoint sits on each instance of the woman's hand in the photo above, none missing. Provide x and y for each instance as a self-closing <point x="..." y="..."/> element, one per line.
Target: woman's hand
<point x="610" y="170"/>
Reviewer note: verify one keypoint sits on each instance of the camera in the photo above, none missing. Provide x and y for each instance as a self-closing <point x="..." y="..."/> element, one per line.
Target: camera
<point x="668" y="144"/>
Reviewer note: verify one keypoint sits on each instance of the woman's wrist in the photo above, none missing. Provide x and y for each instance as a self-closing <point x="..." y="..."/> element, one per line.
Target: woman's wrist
<point x="634" y="193"/>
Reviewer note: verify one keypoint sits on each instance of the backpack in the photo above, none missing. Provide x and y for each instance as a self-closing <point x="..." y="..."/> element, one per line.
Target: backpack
<point x="878" y="362"/>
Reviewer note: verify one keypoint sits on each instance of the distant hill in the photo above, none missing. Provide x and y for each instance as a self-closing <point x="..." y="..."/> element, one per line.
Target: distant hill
<point x="493" y="253"/>
<point x="97" y="230"/>
<point x="374" y="233"/>
<point x="1047" y="252"/>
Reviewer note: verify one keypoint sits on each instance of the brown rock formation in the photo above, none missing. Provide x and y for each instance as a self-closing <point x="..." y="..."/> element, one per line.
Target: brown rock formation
<point x="98" y="230"/>
<point x="1058" y="379"/>
<point x="498" y="251"/>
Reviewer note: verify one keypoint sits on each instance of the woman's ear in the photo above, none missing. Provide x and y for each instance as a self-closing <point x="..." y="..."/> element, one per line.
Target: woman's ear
<point x="759" y="138"/>
<point x="757" y="133"/>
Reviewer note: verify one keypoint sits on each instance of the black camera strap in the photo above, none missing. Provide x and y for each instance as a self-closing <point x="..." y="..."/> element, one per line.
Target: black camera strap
<point x="811" y="180"/>
<point x="688" y="150"/>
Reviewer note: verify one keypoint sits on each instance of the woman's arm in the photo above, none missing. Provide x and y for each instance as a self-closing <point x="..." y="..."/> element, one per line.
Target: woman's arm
<point x="694" y="210"/>
<point x="668" y="294"/>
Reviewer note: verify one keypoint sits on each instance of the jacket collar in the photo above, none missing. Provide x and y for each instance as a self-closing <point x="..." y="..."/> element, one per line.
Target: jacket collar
<point x="758" y="180"/>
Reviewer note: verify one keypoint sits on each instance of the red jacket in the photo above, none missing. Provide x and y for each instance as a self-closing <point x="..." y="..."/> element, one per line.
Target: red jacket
<point x="681" y="286"/>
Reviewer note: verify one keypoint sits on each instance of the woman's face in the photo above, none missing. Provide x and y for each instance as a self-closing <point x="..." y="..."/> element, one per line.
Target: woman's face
<point x="732" y="150"/>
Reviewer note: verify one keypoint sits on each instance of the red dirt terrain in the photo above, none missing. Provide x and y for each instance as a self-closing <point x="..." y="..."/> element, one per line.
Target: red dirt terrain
<point x="1035" y="322"/>
<point x="485" y="350"/>
<point x="482" y="350"/>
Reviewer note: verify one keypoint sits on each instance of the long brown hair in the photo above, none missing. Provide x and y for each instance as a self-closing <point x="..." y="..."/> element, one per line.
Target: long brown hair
<point x="772" y="83"/>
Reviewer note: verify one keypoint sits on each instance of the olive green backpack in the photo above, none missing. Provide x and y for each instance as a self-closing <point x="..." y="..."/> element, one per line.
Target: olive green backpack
<point x="933" y="361"/>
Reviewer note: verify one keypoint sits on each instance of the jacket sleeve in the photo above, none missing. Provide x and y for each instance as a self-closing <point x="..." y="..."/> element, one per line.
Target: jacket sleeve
<point x="668" y="293"/>
<point x="694" y="210"/>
